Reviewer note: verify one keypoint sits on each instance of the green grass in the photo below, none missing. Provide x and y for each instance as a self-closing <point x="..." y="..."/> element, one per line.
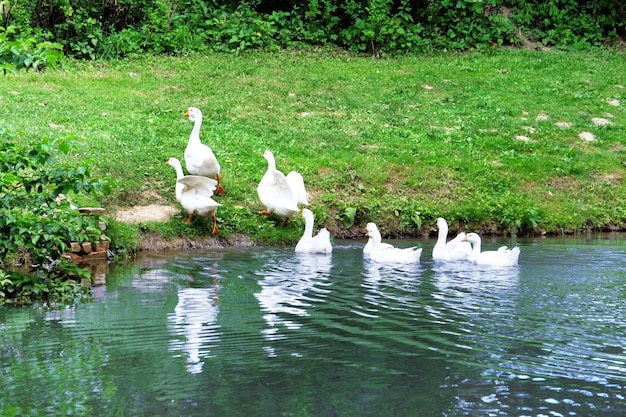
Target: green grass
<point x="401" y="141"/>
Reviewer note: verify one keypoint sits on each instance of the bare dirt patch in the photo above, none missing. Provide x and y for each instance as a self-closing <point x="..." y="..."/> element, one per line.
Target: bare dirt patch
<point x="587" y="136"/>
<point x="141" y="214"/>
<point x="600" y="121"/>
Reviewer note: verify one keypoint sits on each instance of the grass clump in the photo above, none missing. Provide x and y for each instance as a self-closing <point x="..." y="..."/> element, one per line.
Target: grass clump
<point x="490" y="140"/>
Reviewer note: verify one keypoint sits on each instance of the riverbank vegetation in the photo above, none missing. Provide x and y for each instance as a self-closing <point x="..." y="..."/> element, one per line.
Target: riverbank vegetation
<point x="38" y="223"/>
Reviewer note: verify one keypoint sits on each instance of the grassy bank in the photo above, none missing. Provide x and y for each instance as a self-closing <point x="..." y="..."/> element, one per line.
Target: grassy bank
<point x="498" y="141"/>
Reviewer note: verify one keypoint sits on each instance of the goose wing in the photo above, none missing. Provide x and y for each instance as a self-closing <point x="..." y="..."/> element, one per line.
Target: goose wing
<point x="296" y="183"/>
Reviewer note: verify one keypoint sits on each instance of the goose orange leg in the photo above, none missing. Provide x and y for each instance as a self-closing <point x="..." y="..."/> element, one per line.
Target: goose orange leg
<point x="219" y="190"/>
<point x="215" y="229"/>
<point x="189" y="218"/>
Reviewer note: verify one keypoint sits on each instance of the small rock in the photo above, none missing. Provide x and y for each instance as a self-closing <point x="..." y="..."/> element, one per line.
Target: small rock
<point x="87" y="248"/>
<point x="599" y="121"/>
<point x="587" y="136"/>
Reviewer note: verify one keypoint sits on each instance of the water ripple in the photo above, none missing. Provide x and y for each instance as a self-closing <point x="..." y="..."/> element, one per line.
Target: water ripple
<point x="252" y="332"/>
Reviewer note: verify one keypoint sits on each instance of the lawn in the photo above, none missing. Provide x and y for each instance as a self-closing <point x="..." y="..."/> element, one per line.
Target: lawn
<point x="503" y="141"/>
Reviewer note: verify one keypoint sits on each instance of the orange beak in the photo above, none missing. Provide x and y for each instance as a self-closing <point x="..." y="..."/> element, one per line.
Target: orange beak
<point x="186" y="113"/>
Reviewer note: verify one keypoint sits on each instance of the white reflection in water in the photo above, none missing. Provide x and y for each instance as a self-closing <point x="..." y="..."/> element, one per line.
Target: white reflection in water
<point x="390" y="286"/>
<point x="288" y="289"/>
<point x="467" y="288"/>
<point x="194" y="321"/>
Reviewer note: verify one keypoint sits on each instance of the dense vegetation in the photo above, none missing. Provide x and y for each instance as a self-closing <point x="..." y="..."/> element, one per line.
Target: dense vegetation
<point x="118" y="28"/>
<point x="37" y="222"/>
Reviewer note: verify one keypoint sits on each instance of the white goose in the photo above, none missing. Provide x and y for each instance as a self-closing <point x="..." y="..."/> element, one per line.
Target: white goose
<point x="194" y="193"/>
<point x="390" y="254"/>
<point x="199" y="158"/>
<point x="454" y="250"/>
<point x="367" y="249"/>
<point x="308" y="243"/>
<point x="281" y="194"/>
<point x="501" y="257"/>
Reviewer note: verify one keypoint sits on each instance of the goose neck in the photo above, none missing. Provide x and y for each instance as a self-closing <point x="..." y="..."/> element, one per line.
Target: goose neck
<point x="308" y="228"/>
<point x="442" y="235"/>
<point x="179" y="171"/>
<point x="195" y="132"/>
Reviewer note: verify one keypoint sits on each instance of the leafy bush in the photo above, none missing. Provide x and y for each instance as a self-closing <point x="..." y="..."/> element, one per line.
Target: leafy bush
<point x="564" y="23"/>
<point x="26" y="53"/>
<point x="93" y="29"/>
<point x="37" y="223"/>
<point x="380" y="27"/>
<point x="466" y="24"/>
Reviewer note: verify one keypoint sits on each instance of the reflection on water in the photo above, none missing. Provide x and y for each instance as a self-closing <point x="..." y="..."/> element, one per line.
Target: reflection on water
<point x="194" y="321"/>
<point x="288" y="289"/>
<point x="391" y="286"/>
<point x="468" y="289"/>
<point x="265" y="331"/>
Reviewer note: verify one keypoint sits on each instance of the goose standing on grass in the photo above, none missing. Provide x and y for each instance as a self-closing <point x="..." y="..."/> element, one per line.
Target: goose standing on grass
<point x="501" y="257"/>
<point x="308" y="243"/>
<point x="281" y="194"/>
<point x="390" y="254"/>
<point x="454" y="250"/>
<point x="199" y="158"/>
<point x="194" y="193"/>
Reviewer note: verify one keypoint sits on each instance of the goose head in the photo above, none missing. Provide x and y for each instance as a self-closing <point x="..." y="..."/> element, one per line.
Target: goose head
<point x="472" y="238"/>
<point x="193" y="113"/>
<point x="371" y="230"/>
<point x="307" y="214"/>
<point x="268" y="155"/>
<point x="174" y="163"/>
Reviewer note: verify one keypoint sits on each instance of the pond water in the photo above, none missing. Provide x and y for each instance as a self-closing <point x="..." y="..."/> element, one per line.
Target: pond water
<point x="265" y="332"/>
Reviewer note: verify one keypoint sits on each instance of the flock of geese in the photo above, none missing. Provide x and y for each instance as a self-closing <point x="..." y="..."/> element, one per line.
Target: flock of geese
<point x="281" y="195"/>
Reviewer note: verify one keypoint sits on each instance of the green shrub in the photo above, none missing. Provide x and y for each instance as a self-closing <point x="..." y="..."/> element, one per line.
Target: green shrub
<point x="570" y="23"/>
<point x="465" y="24"/>
<point x="37" y="221"/>
<point x="26" y="53"/>
<point x="93" y="29"/>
